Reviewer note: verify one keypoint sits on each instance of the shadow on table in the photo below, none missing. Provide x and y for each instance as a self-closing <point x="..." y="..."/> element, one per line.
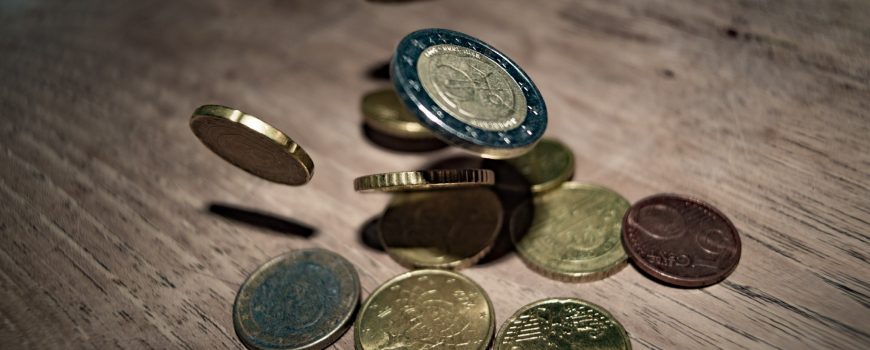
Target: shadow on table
<point x="369" y="235"/>
<point x="380" y="71"/>
<point x="262" y="220"/>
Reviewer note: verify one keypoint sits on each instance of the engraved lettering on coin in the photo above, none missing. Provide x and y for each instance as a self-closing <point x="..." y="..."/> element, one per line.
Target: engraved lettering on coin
<point x="471" y="87"/>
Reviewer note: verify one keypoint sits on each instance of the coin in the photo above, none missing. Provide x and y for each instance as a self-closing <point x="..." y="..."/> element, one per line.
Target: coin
<point x="426" y="310"/>
<point x="441" y="229"/>
<point x="562" y="323"/>
<point x="679" y="240"/>
<point x="251" y="144"/>
<point x="546" y="166"/>
<point x="423" y="180"/>
<point x="304" y="299"/>
<point x="574" y="233"/>
<point x="468" y="93"/>
<point x="384" y="112"/>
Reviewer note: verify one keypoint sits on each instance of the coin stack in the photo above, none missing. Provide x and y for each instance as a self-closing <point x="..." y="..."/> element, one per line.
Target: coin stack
<point x="452" y="89"/>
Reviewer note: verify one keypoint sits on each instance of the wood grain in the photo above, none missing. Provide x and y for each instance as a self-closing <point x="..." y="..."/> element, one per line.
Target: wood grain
<point x="760" y="107"/>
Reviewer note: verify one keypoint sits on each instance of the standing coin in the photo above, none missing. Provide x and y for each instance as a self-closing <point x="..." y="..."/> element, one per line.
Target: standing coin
<point x="441" y="229"/>
<point x="426" y="310"/>
<point x="304" y="299"/>
<point x="562" y="323"/>
<point x="681" y="241"/>
<point x="468" y="94"/>
<point x="574" y="233"/>
<point x="546" y="166"/>
<point x="424" y="180"/>
<point x="252" y="145"/>
<point x="385" y="113"/>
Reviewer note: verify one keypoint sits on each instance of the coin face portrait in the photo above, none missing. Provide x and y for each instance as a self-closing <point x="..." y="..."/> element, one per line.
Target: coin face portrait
<point x="471" y="87"/>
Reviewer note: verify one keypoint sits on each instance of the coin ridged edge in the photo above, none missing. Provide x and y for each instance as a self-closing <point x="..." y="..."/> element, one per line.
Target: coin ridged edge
<point x="529" y="306"/>
<point x="356" y="325"/>
<point x="424" y="179"/>
<point x="260" y="127"/>
<point x="329" y="338"/>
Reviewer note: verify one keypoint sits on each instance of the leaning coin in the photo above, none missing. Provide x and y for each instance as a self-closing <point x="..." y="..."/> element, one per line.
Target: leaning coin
<point x="304" y="299"/>
<point x="441" y="229"/>
<point x="574" y="233"/>
<point x="426" y="309"/>
<point x="679" y="240"/>
<point x="384" y="112"/>
<point x="562" y="323"/>
<point x="469" y="94"/>
<point x="424" y="180"/>
<point x="251" y="144"/>
<point x="546" y="166"/>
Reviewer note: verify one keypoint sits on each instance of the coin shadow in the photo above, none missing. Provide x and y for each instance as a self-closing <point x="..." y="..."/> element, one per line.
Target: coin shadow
<point x="400" y="144"/>
<point x="379" y="71"/>
<point x="267" y="221"/>
<point x="369" y="236"/>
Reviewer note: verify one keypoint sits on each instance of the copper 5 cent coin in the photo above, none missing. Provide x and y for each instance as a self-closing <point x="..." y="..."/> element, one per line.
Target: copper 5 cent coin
<point x="681" y="241"/>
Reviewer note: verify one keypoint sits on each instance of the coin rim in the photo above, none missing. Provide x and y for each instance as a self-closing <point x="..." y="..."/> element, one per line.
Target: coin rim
<point x="586" y="276"/>
<point x="259" y="127"/>
<point x="362" y="310"/>
<point x="392" y="127"/>
<point x="330" y="337"/>
<point x="489" y="144"/>
<point x="415" y="180"/>
<point x="518" y="313"/>
<point x="687" y="282"/>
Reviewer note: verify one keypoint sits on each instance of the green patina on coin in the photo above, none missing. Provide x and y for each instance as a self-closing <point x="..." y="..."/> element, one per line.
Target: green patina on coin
<point x="562" y="323"/>
<point x="301" y="300"/>
<point x="574" y="233"/>
<point x="546" y="166"/>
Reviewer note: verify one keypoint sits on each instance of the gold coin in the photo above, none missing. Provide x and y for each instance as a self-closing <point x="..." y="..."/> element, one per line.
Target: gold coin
<point x="251" y="144"/>
<point x="441" y="229"/>
<point x="426" y="310"/>
<point x="574" y="233"/>
<point x="385" y="113"/>
<point x="546" y="166"/>
<point x="424" y="180"/>
<point x="562" y="323"/>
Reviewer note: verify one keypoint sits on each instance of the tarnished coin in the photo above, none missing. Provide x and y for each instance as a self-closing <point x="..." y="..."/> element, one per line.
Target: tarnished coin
<point x="562" y="323"/>
<point x="304" y="299"/>
<point x="385" y="113"/>
<point x="546" y="166"/>
<point x="441" y="229"/>
<point x="680" y="240"/>
<point x="574" y="234"/>
<point x="252" y="145"/>
<point x="426" y="310"/>
<point x="424" y="180"/>
<point x="468" y="94"/>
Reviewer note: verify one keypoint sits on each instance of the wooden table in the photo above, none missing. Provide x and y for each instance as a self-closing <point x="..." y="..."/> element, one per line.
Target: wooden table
<point x="114" y="217"/>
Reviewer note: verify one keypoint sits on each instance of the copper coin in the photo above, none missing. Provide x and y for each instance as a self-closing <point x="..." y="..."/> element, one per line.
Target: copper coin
<point x="681" y="241"/>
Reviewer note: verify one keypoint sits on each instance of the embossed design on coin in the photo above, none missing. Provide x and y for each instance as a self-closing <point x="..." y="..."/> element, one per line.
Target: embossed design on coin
<point x="301" y="300"/>
<point x="574" y="233"/>
<point x="441" y="229"/>
<point x="426" y="310"/>
<point x="471" y="87"/>
<point x="561" y="323"/>
<point x="682" y="241"/>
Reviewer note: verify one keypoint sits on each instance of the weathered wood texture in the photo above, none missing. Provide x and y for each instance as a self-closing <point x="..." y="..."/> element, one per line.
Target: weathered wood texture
<point x="106" y="239"/>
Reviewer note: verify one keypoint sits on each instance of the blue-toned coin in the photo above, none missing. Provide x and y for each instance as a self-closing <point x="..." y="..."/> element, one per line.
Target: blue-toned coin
<point x="300" y="300"/>
<point x="468" y="93"/>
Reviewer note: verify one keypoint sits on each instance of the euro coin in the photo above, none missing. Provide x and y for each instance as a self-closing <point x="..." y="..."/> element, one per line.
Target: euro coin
<point x="384" y="112"/>
<point x="441" y="229"/>
<point x="304" y="299"/>
<point x="252" y="145"/>
<point x="426" y="309"/>
<point x="680" y="240"/>
<point x="424" y="180"/>
<point x="574" y="233"/>
<point x="468" y="93"/>
<point x="562" y="323"/>
<point x="546" y="166"/>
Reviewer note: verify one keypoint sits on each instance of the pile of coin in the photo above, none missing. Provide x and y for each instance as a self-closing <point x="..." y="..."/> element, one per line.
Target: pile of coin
<point x="450" y="88"/>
